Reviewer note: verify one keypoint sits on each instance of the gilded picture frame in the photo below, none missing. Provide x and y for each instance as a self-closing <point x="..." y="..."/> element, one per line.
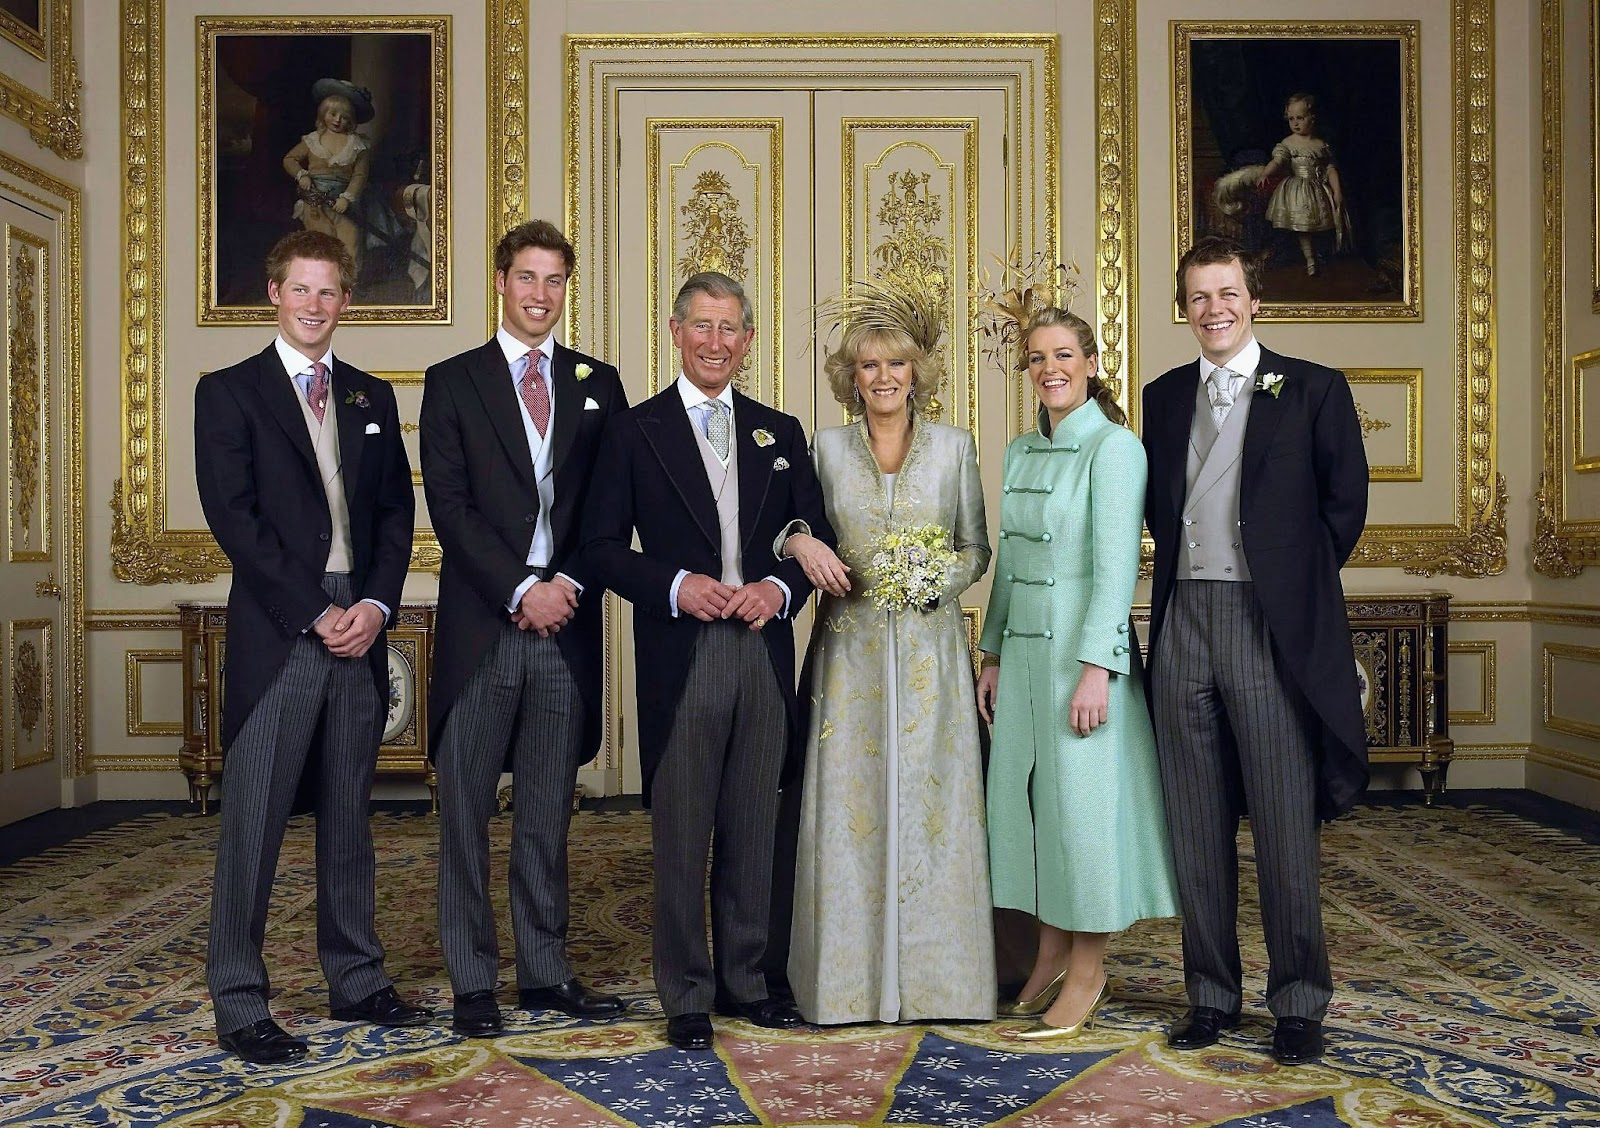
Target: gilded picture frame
<point x="335" y="124"/>
<point x="39" y="84"/>
<point x="1592" y="44"/>
<point x="1301" y="141"/>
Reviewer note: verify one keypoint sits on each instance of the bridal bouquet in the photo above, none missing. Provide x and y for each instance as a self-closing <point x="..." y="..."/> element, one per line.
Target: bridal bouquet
<point x="909" y="567"/>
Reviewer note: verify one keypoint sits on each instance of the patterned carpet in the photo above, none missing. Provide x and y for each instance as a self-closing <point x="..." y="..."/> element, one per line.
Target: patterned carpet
<point x="1466" y="946"/>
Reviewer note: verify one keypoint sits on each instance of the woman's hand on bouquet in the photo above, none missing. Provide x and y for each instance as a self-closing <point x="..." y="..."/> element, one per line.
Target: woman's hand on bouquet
<point x="820" y="563"/>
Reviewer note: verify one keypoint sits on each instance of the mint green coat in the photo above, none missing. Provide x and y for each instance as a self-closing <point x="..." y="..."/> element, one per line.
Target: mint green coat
<point x="1077" y="831"/>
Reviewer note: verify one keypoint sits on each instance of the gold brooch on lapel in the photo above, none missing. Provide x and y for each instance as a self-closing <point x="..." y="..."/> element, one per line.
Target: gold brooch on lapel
<point x="763" y="438"/>
<point x="1270" y="382"/>
<point x="780" y="463"/>
<point x="582" y="372"/>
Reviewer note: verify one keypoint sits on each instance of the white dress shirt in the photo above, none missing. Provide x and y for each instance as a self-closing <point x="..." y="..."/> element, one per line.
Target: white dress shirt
<point x="1242" y="364"/>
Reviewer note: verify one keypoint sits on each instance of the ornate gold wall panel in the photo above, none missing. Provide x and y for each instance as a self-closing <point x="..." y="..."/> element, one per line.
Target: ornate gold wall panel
<point x="60" y="285"/>
<point x="1580" y="663"/>
<point x="915" y="211"/>
<point x="136" y="661"/>
<point x="1116" y="146"/>
<point x="1389" y="402"/>
<point x="53" y="116"/>
<point x="143" y="548"/>
<point x="29" y="493"/>
<point x="716" y="186"/>
<point x="1475" y="543"/>
<point x="1563" y="545"/>
<point x="30" y="692"/>
<point x="1485" y="652"/>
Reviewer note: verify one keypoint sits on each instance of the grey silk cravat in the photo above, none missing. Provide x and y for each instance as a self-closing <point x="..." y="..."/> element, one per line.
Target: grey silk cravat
<point x="717" y="429"/>
<point x="1221" y="394"/>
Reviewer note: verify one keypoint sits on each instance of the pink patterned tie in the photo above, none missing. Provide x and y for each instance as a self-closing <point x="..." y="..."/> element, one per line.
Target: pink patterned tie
<point x="535" y="396"/>
<point x="317" y="393"/>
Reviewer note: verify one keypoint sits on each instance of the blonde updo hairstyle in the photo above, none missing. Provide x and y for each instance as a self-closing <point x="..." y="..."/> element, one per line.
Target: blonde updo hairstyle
<point x="1052" y="316"/>
<point x="888" y="344"/>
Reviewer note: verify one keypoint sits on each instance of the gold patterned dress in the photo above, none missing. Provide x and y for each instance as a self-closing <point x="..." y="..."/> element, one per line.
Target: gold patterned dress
<point x="891" y="907"/>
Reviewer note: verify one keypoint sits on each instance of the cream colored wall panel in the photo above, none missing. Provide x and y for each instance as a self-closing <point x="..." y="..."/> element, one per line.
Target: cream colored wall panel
<point x="135" y="717"/>
<point x="1572" y="689"/>
<point x="1473" y="680"/>
<point x="153" y="687"/>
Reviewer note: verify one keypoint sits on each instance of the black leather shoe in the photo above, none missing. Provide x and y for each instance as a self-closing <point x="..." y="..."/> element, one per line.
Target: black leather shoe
<point x="1297" y="1041"/>
<point x="477" y="1015"/>
<point x="1200" y="1028"/>
<point x="571" y="998"/>
<point x="774" y="1014"/>
<point x="690" y="1031"/>
<point x="384" y="1008"/>
<point x="262" y="1043"/>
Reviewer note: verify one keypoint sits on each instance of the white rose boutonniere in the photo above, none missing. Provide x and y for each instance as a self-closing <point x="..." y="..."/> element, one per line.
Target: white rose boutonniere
<point x="1270" y="382"/>
<point x="583" y="371"/>
<point x="763" y="438"/>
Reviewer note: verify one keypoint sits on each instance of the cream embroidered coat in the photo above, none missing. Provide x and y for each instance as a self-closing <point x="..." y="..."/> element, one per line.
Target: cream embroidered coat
<point x="891" y="909"/>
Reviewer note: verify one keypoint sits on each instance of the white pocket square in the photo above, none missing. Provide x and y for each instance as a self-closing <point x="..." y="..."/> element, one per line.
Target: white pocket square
<point x="372" y="428"/>
<point x="780" y="463"/>
<point x="590" y="405"/>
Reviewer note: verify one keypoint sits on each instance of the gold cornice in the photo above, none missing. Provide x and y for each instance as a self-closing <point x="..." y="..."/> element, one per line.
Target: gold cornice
<point x="54" y="121"/>
<point x="1561" y="548"/>
<point x="1116" y="153"/>
<point x="68" y="204"/>
<point x="1476" y="545"/>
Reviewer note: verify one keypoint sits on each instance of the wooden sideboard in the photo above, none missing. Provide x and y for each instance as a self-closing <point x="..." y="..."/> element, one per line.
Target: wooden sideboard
<point x="1400" y="646"/>
<point x="404" y="751"/>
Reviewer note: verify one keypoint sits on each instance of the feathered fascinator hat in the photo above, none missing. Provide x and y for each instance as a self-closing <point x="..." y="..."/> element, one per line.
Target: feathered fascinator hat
<point x="1008" y="300"/>
<point x="876" y="306"/>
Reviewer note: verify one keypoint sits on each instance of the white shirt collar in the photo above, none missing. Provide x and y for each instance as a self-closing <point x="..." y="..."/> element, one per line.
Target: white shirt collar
<point x="515" y="350"/>
<point x="1242" y="364"/>
<point x="693" y="397"/>
<point x="295" y="362"/>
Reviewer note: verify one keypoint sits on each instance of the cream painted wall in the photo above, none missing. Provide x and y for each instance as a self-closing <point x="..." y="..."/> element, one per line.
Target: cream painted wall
<point x="1507" y="610"/>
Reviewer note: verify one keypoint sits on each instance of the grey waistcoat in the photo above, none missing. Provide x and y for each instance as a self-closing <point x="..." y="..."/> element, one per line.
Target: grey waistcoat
<point x="1211" y="548"/>
<point x="725" y="488"/>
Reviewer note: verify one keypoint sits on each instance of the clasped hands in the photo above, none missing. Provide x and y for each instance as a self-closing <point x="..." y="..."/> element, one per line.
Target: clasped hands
<point x="348" y="632"/>
<point x="709" y="600"/>
<point x="546" y="606"/>
<point x="1088" y="710"/>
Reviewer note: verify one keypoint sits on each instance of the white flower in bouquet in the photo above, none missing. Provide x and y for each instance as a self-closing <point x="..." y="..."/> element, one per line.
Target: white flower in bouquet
<point x="909" y="567"/>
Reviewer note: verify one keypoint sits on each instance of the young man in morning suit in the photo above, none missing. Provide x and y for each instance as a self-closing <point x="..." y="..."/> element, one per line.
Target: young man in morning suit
<point x="306" y="487"/>
<point x="509" y="436"/>
<point x="708" y="477"/>
<point x="1257" y="495"/>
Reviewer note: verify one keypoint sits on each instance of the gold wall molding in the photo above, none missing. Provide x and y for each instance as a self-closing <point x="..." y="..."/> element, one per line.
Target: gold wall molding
<point x="1554" y="720"/>
<point x="1491" y="752"/>
<point x="28" y="288"/>
<point x="1562" y="548"/>
<point x="54" y="118"/>
<point x="62" y="203"/>
<point x="1562" y="760"/>
<point x="143" y="549"/>
<point x="1116" y="146"/>
<point x="131" y="619"/>
<point x="1525" y="611"/>
<point x="1410" y="469"/>
<point x="1584" y="459"/>
<point x="31" y="687"/>
<point x="1485" y="649"/>
<point x="1475" y="544"/>
<point x="135" y="662"/>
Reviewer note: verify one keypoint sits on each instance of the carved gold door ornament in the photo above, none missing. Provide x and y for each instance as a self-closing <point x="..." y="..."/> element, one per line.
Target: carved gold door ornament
<point x="714" y="231"/>
<point x="27" y="683"/>
<point x="25" y="391"/>
<point x="912" y="257"/>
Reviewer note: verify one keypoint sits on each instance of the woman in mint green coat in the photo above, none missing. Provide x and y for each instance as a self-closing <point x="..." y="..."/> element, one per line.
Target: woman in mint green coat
<point x="1077" y="831"/>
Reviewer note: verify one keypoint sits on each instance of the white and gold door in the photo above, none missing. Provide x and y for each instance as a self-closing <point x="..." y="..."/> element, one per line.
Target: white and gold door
<point x="31" y="567"/>
<point x="794" y="173"/>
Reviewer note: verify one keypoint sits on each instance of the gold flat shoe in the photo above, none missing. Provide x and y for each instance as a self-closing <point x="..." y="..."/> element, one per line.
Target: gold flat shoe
<point x="1042" y="1033"/>
<point x="1030" y="1008"/>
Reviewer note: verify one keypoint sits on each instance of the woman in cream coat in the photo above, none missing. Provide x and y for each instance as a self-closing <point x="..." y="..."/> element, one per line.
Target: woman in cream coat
<point x="1077" y="830"/>
<point x="891" y="908"/>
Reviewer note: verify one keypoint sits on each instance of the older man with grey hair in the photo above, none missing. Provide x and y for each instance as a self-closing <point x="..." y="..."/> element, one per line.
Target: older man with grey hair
<point x="708" y="478"/>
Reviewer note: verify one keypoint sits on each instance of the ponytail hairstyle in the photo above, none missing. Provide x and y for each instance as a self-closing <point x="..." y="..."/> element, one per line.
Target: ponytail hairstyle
<point x="1099" y="391"/>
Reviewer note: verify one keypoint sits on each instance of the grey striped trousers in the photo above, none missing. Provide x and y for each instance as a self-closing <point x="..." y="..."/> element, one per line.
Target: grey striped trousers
<point x="716" y="789"/>
<point x="1235" y="735"/>
<point x="522" y="697"/>
<point x="313" y="689"/>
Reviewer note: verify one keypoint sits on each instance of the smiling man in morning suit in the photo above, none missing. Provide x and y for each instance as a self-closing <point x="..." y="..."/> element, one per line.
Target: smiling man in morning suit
<point x="708" y="478"/>
<point x="509" y="436"/>
<point x="1257" y="496"/>
<point x="306" y="486"/>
